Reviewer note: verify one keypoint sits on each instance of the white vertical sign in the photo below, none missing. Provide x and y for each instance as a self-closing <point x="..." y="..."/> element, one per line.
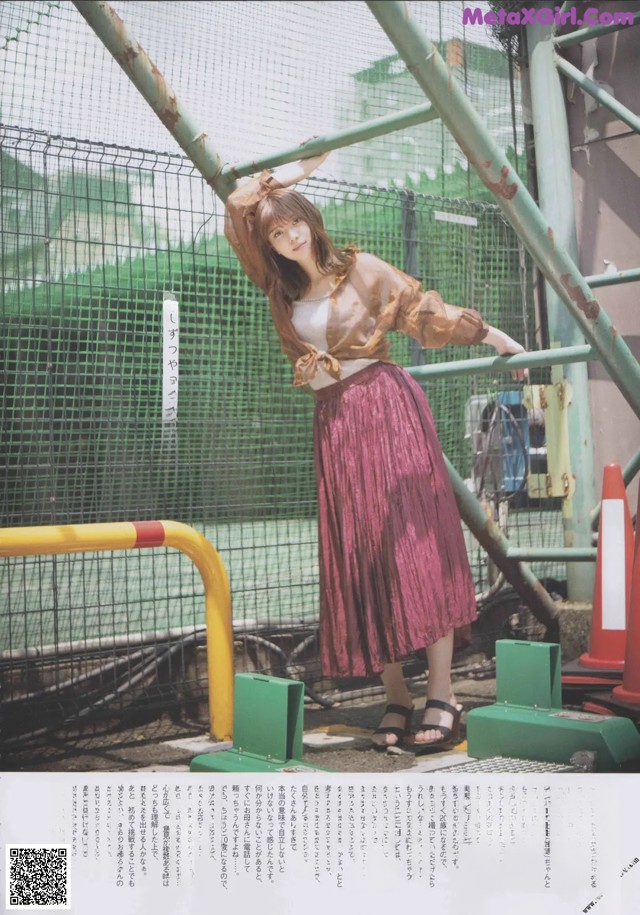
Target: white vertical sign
<point x="614" y="575"/>
<point x="170" y="367"/>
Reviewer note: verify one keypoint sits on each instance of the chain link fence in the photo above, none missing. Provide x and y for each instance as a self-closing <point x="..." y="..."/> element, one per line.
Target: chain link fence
<point x="103" y="223"/>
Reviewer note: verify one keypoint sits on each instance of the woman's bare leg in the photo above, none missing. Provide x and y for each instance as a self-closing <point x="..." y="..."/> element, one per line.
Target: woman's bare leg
<point x="439" y="656"/>
<point x="397" y="694"/>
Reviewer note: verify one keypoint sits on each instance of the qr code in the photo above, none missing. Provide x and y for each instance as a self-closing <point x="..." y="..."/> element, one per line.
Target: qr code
<point x="37" y="877"/>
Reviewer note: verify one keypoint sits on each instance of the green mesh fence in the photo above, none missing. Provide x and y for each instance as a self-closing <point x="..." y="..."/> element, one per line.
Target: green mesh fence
<point x="98" y="232"/>
<point x="258" y="77"/>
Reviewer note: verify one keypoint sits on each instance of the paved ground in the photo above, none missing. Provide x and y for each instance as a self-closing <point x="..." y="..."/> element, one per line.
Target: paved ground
<point x="336" y="739"/>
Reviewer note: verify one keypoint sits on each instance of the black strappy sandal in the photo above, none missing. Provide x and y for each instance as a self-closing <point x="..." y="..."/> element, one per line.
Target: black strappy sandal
<point x="450" y="736"/>
<point x="400" y="733"/>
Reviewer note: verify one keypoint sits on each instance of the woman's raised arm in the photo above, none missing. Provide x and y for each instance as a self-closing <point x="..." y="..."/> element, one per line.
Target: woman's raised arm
<point x="292" y="172"/>
<point x="240" y="211"/>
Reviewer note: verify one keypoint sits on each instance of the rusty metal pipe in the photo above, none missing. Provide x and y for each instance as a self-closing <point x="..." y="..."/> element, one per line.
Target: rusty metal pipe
<point x="493" y="541"/>
<point x="410" y="117"/>
<point x="152" y="85"/>
<point x="430" y="72"/>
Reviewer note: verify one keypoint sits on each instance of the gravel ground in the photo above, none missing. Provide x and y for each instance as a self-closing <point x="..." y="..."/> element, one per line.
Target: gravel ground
<point x="169" y="744"/>
<point x="152" y="744"/>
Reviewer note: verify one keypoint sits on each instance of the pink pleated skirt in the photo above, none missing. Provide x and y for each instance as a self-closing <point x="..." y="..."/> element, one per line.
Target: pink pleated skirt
<point x="394" y="573"/>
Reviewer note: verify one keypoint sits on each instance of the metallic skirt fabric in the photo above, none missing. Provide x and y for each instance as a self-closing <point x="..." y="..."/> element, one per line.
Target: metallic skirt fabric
<point x="394" y="574"/>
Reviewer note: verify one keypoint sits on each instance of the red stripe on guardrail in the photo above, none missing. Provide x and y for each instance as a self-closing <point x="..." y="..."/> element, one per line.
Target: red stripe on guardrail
<point x="149" y="533"/>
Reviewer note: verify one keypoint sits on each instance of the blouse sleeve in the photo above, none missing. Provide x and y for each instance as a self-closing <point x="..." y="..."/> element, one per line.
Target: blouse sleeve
<point x="424" y="315"/>
<point x="239" y="217"/>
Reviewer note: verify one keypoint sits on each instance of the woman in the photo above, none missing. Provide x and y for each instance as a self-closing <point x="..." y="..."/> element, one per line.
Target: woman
<point x="394" y="574"/>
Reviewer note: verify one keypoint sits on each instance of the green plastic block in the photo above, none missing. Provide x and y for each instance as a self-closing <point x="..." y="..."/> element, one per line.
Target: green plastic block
<point x="528" y="674"/>
<point x="268" y="716"/>
<point x="267" y="729"/>
<point x="528" y="722"/>
<point x="551" y="736"/>
<point x="233" y="761"/>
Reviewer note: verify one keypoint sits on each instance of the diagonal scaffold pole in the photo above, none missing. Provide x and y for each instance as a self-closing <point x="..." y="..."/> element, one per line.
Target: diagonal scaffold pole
<point x="488" y="534"/>
<point x="154" y="88"/>
<point x="430" y="72"/>
<point x="367" y="130"/>
<point x="630" y="118"/>
<point x="152" y="85"/>
<point x="595" y="31"/>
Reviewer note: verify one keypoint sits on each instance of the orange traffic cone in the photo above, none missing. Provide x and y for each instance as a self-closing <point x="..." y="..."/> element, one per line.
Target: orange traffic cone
<point x="630" y="689"/>
<point x="614" y="564"/>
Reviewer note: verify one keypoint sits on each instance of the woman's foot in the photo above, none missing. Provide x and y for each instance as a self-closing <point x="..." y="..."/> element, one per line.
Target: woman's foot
<point x="443" y="720"/>
<point x="394" y="727"/>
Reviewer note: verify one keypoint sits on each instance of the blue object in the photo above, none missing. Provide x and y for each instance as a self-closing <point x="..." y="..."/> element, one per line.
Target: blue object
<point x="514" y="436"/>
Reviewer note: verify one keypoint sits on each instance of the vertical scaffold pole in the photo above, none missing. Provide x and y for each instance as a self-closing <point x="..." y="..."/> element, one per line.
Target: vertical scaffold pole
<point x="431" y="73"/>
<point x="553" y="161"/>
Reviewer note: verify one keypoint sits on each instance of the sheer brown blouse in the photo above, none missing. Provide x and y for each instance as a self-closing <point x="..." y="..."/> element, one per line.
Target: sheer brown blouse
<point x="371" y="300"/>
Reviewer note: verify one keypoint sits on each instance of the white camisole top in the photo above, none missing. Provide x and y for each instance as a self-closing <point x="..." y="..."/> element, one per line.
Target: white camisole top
<point x="310" y="318"/>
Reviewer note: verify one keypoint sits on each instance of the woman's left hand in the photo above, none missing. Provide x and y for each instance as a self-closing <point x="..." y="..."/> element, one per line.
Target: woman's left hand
<point x="293" y="172"/>
<point x="311" y="163"/>
<point x="506" y="346"/>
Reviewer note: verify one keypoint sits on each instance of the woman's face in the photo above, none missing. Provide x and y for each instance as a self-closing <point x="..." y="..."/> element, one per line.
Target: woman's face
<point x="292" y="239"/>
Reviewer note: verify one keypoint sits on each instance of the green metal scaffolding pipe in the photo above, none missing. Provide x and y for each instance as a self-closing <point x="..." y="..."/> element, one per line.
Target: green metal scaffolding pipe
<point x="629" y="472"/>
<point x="484" y="365"/>
<point x="613" y="279"/>
<point x="517" y="573"/>
<point x="420" y="114"/>
<point x="594" y="31"/>
<point x="152" y="85"/>
<point x="549" y="554"/>
<point x="431" y="73"/>
<point x="566" y="6"/>
<point x="604" y="98"/>
<point x="631" y="468"/>
<point x="555" y="199"/>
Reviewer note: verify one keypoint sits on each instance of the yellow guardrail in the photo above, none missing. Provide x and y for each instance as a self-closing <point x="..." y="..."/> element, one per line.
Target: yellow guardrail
<point x="127" y="535"/>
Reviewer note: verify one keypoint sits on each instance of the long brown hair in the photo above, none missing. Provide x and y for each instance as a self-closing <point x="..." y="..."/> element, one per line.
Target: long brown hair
<point x="286" y="279"/>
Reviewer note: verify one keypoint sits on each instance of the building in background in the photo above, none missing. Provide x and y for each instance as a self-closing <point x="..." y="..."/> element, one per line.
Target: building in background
<point x="61" y="220"/>
<point x="426" y="157"/>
